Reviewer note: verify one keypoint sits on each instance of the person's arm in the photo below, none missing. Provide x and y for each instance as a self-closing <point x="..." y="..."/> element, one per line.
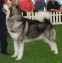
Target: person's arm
<point x="54" y="10"/>
<point x="60" y="9"/>
<point x="50" y="8"/>
<point x="57" y="10"/>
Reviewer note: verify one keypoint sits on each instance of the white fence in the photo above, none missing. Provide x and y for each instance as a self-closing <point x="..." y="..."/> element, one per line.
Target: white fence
<point x="55" y="17"/>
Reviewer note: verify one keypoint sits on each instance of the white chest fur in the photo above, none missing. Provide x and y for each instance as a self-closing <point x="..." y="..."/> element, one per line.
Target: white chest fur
<point x="14" y="35"/>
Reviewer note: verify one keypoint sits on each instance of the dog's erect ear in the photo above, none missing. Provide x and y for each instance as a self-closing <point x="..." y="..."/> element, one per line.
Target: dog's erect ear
<point x="17" y="7"/>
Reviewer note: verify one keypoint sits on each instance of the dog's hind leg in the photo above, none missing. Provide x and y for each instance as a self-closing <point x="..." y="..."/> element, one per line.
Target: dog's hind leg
<point x="48" y="42"/>
<point x="20" y="50"/>
<point x="15" y="49"/>
<point x="52" y="40"/>
<point x="52" y="45"/>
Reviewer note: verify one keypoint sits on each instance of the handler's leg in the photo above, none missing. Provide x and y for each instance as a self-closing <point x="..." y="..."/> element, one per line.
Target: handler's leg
<point x="3" y="34"/>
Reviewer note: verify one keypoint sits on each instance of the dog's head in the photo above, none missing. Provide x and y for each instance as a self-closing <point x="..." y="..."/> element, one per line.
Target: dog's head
<point x="13" y="17"/>
<point x="10" y="10"/>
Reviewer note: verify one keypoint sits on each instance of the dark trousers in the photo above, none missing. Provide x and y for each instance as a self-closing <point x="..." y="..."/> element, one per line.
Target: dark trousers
<point x="3" y="32"/>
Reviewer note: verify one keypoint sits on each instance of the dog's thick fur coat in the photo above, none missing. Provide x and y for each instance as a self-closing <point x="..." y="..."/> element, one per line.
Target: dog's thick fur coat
<point x="24" y="30"/>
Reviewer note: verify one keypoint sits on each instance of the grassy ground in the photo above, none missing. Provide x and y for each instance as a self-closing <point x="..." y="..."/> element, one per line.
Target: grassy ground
<point x="37" y="51"/>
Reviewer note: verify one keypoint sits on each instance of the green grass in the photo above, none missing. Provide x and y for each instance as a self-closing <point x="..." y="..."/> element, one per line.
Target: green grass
<point x="37" y="51"/>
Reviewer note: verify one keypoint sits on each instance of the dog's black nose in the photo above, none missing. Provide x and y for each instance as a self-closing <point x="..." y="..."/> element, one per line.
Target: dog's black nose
<point x="10" y="15"/>
<point x="12" y="31"/>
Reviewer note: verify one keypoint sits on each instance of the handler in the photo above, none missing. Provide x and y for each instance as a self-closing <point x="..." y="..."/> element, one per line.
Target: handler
<point x="3" y="30"/>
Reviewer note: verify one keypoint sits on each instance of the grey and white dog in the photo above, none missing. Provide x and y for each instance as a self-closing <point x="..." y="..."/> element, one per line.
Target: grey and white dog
<point x="24" y="30"/>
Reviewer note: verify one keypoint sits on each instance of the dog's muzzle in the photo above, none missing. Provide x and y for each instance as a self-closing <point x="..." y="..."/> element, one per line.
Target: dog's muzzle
<point x="4" y="10"/>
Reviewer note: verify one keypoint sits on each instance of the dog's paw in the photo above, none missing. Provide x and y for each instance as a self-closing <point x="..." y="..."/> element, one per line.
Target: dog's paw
<point x="14" y="56"/>
<point x="18" y="58"/>
<point x="56" y="53"/>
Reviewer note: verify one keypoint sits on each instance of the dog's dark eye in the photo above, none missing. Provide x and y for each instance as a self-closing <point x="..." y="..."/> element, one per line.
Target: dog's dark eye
<point x="11" y="11"/>
<point x="11" y="14"/>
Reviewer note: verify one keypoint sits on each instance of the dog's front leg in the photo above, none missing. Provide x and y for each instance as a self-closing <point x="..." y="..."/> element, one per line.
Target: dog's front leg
<point x="15" y="49"/>
<point x="20" y="50"/>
